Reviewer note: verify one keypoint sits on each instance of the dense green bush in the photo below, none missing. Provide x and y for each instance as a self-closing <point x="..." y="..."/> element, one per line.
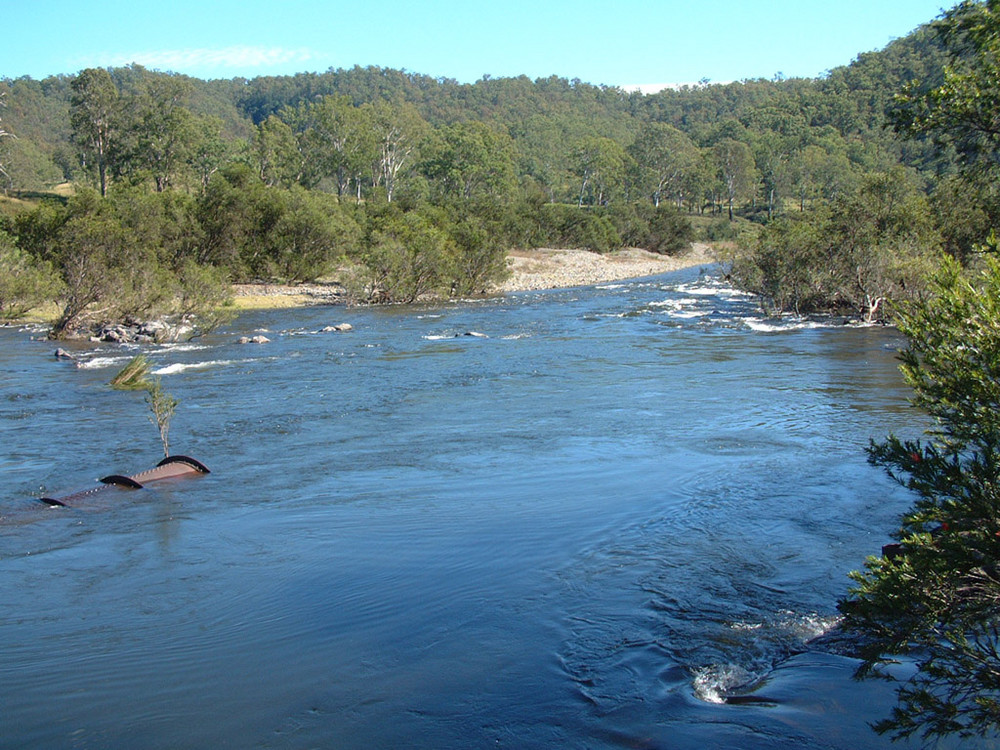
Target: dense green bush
<point x="25" y="282"/>
<point x="936" y="596"/>
<point x="570" y="226"/>
<point x="870" y="249"/>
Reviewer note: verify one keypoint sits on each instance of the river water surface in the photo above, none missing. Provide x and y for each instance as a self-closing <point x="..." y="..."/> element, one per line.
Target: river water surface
<point x="578" y="529"/>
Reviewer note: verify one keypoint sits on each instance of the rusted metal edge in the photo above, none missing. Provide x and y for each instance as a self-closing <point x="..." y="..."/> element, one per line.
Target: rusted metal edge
<point x="168" y="468"/>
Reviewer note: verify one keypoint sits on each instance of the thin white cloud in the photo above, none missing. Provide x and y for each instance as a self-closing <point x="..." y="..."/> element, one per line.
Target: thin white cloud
<point x="201" y="60"/>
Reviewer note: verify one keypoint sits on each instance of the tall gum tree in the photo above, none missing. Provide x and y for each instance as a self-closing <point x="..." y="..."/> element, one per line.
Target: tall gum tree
<point x="666" y="155"/>
<point x="398" y="130"/>
<point x="4" y="133"/>
<point x="93" y="118"/>
<point x="737" y="169"/>
<point x="164" y="128"/>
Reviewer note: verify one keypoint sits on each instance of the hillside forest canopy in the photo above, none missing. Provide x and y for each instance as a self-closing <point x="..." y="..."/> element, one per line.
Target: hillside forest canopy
<point x="826" y="196"/>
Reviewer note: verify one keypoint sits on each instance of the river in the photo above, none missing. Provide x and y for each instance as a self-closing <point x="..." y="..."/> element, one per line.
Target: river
<point x="578" y="528"/>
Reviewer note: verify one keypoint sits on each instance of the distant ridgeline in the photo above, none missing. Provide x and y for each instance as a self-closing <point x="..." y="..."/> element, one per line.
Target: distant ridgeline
<point x="409" y="186"/>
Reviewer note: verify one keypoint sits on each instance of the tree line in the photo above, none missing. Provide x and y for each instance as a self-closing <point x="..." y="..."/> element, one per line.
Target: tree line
<point x="817" y="193"/>
<point x="413" y="210"/>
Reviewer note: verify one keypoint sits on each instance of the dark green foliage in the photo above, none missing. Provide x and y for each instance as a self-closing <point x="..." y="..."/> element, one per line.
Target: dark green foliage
<point x="866" y="250"/>
<point x="27" y="167"/>
<point x="939" y="601"/>
<point x="407" y="257"/>
<point x="256" y="232"/>
<point x="25" y="282"/>
<point x="962" y="112"/>
<point x="123" y="258"/>
<point x="480" y="255"/>
<point x="966" y="208"/>
<point x="660" y="229"/>
<point x="109" y="274"/>
<point x="783" y="266"/>
<point x="251" y="168"/>
<point x="312" y="234"/>
<point x="574" y="227"/>
<point x="471" y="160"/>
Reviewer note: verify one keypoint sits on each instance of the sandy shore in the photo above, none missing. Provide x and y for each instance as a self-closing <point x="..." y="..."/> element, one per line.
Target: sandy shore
<point x="557" y="269"/>
<point x="530" y="270"/>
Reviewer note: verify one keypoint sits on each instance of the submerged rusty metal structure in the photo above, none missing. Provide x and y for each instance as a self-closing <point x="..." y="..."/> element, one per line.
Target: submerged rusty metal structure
<point x="169" y="468"/>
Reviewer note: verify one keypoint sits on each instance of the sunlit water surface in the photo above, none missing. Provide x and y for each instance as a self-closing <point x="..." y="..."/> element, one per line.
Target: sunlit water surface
<point x="579" y="529"/>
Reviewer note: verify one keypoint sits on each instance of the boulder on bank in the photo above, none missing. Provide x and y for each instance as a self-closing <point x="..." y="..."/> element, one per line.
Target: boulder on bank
<point x="150" y="332"/>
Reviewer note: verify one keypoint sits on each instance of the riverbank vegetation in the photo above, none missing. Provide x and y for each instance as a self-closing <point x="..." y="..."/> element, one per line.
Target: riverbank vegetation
<point x="934" y="596"/>
<point x="407" y="186"/>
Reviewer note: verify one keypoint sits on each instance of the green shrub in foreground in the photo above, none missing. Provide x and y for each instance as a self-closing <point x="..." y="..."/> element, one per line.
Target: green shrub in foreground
<point x="938" y="600"/>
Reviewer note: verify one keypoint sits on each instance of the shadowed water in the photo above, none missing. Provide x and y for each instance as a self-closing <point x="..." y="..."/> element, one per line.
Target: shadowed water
<point x="580" y="529"/>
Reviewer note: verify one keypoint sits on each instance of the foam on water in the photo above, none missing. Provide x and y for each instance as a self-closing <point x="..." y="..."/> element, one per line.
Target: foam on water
<point x="676" y="303"/>
<point x="184" y="367"/>
<point x="186" y="346"/>
<point x="770" y="325"/>
<point x="97" y="363"/>
<point x="712" y="683"/>
<point x="762" y="644"/>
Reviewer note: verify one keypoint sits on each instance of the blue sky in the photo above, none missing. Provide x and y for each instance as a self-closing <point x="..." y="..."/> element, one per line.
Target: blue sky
<point x="615" y="42"/>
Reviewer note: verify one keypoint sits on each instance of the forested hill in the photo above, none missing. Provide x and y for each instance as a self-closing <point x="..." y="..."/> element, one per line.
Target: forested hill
<point x="411" y="186"/>
<point x="842" y="113"/>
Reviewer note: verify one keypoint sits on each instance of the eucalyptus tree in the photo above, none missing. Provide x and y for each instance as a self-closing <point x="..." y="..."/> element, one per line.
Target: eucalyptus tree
<point x="398" y="131"/>
<point x="94" y="117"/>
<point x="274" y="153"/>
<point x="665" y="156"/>
<point x="339" y="139"/>
<point x="162" y="128"/>
<point x="805" y="168"/>
<point x="4" y="133"/>
<point x="544" y="147"/>
<point x="737" y="170"/>
<point x="772" y="153"/>
<point x="600" y="166"/>
<point x="208" y="152"/>
<point x="471" y="159"/>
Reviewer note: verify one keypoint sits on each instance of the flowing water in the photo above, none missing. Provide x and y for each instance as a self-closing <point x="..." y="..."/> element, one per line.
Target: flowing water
<point x="578" y="529"/>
